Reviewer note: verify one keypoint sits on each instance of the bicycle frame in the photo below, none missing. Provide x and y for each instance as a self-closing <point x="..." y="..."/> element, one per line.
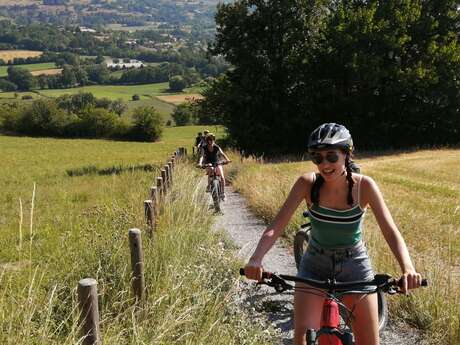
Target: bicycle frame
<point x="330" y="332"/>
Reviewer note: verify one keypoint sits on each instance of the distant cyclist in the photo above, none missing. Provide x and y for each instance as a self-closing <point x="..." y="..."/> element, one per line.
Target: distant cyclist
<point x="198" y="140"/>
<point x="203" y="141"/>
<point x="210" y="154"/>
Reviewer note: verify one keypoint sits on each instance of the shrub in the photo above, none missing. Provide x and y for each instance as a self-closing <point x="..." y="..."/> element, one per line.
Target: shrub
<point x="177" y="83"/>
<point x="148" y="125"/>
<point x="6" y="85"/>
<point x="183" y="114"/>
<point x="42" y="117"/>
<point x="27" y="97"/>
<point x="135" y="97"/>
<point x="98" y="123"/>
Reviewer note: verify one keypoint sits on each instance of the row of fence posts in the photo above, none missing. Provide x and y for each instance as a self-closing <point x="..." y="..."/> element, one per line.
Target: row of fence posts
<point x="87" y="288"/>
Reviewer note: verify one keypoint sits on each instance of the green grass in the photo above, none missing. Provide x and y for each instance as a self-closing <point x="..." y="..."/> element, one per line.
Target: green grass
<point x="422" y="190"/>
<point x="30" y="67"/>
<point x="125" y="92"/>
<point x="165" y="109"/>
<point x="70" y="227"/>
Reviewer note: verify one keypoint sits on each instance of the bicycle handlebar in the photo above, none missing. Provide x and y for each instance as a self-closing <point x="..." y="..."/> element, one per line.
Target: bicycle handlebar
<point x="382" y="282"/>
<point x="204" y="166"/>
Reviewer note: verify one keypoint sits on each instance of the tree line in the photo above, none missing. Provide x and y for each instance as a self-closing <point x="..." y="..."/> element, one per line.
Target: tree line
<point x="388" y="70"/>
<point x="81" y="116"/>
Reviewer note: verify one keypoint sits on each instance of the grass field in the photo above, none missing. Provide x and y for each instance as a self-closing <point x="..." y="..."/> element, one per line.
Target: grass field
<point x="148" y="95"/>
<point x="181" y="98"/>
<point x="422" y="190"/>
<point x="51" y="71"/>
<point x="31" y="67"/>
<point x="57" y="228"/>
<point x="125" y="92"/>
<point x="7" y="55"/>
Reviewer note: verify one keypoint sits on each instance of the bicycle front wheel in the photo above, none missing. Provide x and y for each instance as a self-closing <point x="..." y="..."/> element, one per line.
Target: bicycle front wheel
<point x="216" y="194"/>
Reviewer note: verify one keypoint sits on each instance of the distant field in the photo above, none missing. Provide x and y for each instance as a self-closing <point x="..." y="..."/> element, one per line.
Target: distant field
<point x="180" y="98"/>
<point x="119" y="27"/>
<point x="51" y="71"/>
<point x="165" y="109"/>
<point x="125" y="92"/>
<point x="31" y="67"/>
<point x="7" y="55"/>
<point x="10" y="95"/>
<point x="147" y="93"/>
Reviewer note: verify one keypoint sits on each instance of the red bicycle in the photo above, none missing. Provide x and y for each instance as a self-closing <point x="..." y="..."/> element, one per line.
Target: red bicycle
<point x="332" y="331"/>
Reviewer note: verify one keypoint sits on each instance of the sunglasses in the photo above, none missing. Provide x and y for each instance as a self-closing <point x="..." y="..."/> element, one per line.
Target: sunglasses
<point x="317" y="158"/>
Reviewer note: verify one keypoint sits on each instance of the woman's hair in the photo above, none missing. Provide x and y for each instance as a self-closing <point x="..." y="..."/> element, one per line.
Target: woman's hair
<point x="350" y="167"/>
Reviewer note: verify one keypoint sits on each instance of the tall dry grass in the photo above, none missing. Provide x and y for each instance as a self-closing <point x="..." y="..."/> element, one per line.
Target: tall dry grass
<point x="422" y="190"/>
<point x="70" y="227"/>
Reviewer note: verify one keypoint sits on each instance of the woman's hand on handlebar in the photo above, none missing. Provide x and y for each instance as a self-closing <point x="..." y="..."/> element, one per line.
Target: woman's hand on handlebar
<point x="410" y="280"/>
<point x="253" y="270"/>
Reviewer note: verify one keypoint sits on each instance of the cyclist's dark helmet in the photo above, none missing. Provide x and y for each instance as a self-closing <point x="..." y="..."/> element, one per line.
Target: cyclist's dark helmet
<point x="330" y="135"/>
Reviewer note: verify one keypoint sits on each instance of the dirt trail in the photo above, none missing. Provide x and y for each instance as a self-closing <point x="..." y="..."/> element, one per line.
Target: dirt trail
<point x="261" y="302"/>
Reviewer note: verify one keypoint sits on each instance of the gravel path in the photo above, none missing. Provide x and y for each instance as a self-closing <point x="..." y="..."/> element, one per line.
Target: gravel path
<point x="261" y="302"/>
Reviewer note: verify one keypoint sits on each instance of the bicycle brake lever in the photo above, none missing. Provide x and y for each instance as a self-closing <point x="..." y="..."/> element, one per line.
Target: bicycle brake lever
<point x="277" y="283"/>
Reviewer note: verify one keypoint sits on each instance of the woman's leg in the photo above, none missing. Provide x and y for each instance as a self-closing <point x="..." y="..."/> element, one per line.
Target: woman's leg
<point x="220" y="171"/>
<point x="365" y="322"/>
<point x="307" y="313"/>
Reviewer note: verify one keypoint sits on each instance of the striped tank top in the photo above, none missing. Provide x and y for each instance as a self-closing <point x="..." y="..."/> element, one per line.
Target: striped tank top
<point x="336" y="228"/>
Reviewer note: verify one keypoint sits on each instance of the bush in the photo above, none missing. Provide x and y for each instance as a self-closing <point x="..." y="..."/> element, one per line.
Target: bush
<point x="135" y="97"/>
<point x="98" y="123"/>
<point x="6" y="85"/>
<point x="148" y="125"/>
<point x="177" y="83"/>
<point x="27" y="97"/>
<point x="183" y="114"/>
<point x="42" y="117"/>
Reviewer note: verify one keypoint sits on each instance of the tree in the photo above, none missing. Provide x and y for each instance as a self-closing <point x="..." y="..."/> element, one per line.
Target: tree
<point x="6" y="85"/>
<point x="177" y="83"/>
<point x="148" y="125"/>
<point x="21" y="77"/>
<point x="118" y="106"/>
<point x="388" y="70"/>
<point x="68" y="76"/>
<point x="42" y="117"/>
<point x="99" y="59"/>
<point x="183" y="114"/>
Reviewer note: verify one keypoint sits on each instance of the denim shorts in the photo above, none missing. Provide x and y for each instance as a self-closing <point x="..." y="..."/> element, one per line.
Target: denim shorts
<point x="345" y="264"/>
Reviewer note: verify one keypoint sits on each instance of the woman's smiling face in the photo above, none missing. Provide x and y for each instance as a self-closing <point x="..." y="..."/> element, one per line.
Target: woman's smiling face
<point x="330" y="162"/>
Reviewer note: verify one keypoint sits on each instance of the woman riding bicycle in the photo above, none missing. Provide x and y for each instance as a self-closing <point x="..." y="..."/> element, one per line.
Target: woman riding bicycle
<point x="210" y="154"/>
<point x="337" y="200"/>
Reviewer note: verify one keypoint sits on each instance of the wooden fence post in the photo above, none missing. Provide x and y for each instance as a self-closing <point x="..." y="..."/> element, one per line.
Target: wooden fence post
<point x="160" y="189"/>
<point x="89" y="309"/>
<point x="165" y="182"/>
<point x="170" y="165"/>
<point x="137" y="263"/>
<point x="168" y="175"/>
<point x="173" y="161"/>
<point x="149" y="216"/>
<point x="153" y="197"/>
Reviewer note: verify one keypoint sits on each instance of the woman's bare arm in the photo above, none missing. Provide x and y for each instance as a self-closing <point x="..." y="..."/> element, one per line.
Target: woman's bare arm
<point x="299" y="192"/>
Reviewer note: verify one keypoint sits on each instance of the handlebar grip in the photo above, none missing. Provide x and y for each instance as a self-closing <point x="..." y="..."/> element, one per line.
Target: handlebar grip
<point x="423" y="283"/>
<point x="265" y="275"/>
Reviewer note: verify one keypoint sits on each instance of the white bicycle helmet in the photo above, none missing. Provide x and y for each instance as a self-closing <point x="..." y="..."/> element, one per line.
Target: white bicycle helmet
<point x="330" y="135"/>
